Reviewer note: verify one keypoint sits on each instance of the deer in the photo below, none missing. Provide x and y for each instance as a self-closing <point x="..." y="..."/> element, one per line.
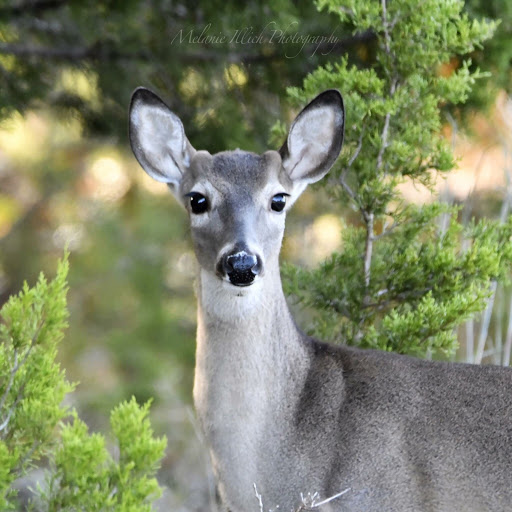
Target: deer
<point x="282" y="412"/>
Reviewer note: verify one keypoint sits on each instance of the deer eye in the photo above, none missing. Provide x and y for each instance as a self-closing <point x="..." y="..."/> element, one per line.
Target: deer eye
<point x="198" y="203"/>
<point x="278" y="202"/>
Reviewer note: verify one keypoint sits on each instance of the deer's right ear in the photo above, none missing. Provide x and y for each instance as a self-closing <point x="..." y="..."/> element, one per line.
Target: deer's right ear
<point x="158" y="139"/>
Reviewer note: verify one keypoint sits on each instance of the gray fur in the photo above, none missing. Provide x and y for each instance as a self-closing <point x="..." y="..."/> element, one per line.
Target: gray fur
<point x="293" y="415"/>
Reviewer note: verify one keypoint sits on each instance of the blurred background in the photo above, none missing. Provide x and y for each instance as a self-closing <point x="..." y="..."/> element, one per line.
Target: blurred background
<point x="68" y="178"/>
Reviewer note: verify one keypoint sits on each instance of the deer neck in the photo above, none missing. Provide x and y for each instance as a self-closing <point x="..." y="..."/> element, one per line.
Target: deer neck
<point x="246" y="333"/>
<point x="250" y="363"/>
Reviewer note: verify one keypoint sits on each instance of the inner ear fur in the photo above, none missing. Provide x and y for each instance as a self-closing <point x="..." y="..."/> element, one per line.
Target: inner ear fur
<point x="158" y="139"/>
<point x="315" y="138"/>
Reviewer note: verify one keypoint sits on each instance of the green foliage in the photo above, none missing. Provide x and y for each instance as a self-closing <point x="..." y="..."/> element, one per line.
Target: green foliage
<point x="86" y="477"/>
<point x="403" y="287"/>
<point x="424" y="283"/>
<point x="76" y="64"/>
<point x="32" y="385"/>
<point x="393" y="120"/>
<point x="497" y="57"/>
<point x="83" y="475"/>
<point x="85" y="58"/>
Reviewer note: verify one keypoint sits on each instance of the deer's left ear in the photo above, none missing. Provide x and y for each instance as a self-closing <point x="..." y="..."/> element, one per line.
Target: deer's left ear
<point x="315" y="139"/>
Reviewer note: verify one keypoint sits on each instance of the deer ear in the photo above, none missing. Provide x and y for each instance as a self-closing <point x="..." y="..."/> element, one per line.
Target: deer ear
<point x="315" y="139"/>
<point x="157" y="138"/>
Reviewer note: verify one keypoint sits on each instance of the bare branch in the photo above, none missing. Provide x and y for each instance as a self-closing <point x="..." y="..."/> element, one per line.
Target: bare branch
<point x="484" y="327"/>
<point x="357" y="151"/>
<point x="332" y="498"/>
<point x="387" y="38"/>
<point x="508" y="339"/>
<point x="384" y="141"/>
<point x="368" y="249"/>
<point x="347" y="188"/>
<point x="385" y="131"/>
<point x="310" y="502"/>
<point x="258" y="497"/>
<point x="343" y="175"/>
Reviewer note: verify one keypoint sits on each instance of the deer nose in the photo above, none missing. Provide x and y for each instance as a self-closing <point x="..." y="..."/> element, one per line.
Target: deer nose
<point x="241" y="267"/>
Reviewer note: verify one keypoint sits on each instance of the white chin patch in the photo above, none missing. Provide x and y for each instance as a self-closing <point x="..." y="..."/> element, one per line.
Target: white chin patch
<point x="226" y="300"/>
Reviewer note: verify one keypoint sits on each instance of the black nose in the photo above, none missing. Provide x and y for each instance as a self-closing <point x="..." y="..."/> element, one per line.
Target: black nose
<point x="241" y="267"/>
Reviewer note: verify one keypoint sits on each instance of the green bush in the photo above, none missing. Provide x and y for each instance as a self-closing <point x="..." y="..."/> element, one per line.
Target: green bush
<point x="35" y="425"/>
<point x="401" y="282"/>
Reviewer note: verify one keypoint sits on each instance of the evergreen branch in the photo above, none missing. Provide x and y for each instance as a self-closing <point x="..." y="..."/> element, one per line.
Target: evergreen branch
<point x="340" y="309"/>
<point x="356" y="152"/>
<point x="431" y="331"/>
<point x="19" y="397"/>
<point x="28" y="456"/>
<point x="386" y="232"/>
<point x="14" y="371"/>
<point x="347" y="188"/>
<point x="399" y="298"/>
<point x="11" y="380"/>
<point x="343" y="174"/>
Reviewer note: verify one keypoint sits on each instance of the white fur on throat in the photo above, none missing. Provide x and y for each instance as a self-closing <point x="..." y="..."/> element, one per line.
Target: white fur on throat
<point x="243" y="358"/>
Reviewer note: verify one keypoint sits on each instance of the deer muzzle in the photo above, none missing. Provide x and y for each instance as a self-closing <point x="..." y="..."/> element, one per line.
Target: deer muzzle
<point x="240" y="266"/>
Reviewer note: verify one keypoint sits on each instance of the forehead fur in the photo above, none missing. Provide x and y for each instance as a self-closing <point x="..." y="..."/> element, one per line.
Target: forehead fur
<point x="242" y="168"/>
<point x="237" y="167"/>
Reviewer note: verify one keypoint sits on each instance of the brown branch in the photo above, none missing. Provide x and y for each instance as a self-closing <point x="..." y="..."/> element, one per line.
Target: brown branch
<point x="101" y="51"/>
<point x="31" y="6"/>
<point x="97" y="51"/>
